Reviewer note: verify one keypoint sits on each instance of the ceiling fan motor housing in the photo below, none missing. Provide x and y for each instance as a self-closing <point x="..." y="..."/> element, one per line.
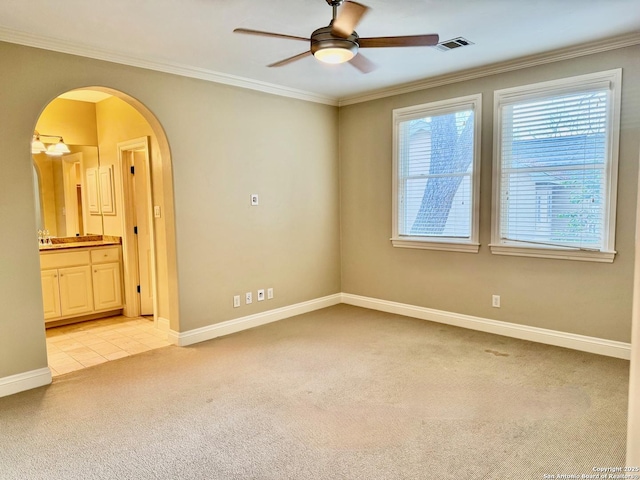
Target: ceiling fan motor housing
<point x="322" y="38"/>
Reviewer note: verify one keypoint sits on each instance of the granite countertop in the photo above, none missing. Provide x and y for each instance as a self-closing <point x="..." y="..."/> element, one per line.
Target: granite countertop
<point x="64" y="243"/>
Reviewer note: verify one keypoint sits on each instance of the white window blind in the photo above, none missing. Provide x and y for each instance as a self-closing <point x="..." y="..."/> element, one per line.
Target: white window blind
<point x="436" y="172"/>
<point x="556" y="162"/>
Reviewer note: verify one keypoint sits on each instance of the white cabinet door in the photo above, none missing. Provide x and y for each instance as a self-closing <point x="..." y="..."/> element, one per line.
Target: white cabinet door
<point x="50" y="294"/>
<point x="107" y="286"/>
<point x="76" y="292"/>
<point x="105" y="184"/>
<point x="93" y="197"/>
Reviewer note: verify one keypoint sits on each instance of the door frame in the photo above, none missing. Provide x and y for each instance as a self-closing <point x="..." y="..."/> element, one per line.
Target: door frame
<point x="633" y="412"/>
<point x="129" y="250"/>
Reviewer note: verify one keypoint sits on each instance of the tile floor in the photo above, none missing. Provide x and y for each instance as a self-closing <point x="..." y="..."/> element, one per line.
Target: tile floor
<point x="82" y="345"/>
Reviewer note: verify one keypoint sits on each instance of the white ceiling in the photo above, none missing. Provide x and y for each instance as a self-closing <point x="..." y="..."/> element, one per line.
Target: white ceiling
<point x="82" y="95"/>
<point x="196" y="35"/>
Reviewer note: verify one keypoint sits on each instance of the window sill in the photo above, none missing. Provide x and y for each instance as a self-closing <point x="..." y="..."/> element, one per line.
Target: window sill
<point x="561" y="254"/>
<point x="413" y="242"/>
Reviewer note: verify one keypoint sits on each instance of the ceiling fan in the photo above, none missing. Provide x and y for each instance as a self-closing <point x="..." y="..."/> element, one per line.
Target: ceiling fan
<point x="339" y="42"/>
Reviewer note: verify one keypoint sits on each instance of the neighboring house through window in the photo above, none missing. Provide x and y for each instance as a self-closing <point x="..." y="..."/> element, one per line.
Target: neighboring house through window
<point x="436" y="174"/>
<point x="555" y="168"/>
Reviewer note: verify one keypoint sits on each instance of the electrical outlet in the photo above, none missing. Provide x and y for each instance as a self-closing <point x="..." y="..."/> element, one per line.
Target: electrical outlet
<point x="156" y="211"/>
<point x="248" y="298"/>
<point x="269" y="293"/>
<point x="254" y="199"/>
<point x="261" y="294"/>
<point x="495" y="301"/>
<point x="236" y="301"/>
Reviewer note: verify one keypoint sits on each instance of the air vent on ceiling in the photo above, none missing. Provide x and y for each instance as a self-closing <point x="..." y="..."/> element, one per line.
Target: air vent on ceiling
<point x="453" y="43"/>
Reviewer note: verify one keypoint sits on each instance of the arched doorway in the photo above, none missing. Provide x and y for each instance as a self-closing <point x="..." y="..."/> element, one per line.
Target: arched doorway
<point x="105" y="130"/>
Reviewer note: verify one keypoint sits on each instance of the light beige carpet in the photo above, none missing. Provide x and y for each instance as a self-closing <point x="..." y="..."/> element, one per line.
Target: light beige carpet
<point x="339" y="393"/>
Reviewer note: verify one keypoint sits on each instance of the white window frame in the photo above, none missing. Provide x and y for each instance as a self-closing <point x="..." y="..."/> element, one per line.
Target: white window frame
<point x="612" y="79"/>
<point x="453" y="244"/>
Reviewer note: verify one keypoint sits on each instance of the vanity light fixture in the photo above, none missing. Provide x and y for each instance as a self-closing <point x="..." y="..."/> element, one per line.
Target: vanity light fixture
<point x="60" y="148"/>
<point x="36" y="144"/>
<point x="51" y="151"/>
<point x="54" y="149"/>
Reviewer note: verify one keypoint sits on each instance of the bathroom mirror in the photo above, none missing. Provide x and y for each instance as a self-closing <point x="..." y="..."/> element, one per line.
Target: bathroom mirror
<point x="68" y="197"/>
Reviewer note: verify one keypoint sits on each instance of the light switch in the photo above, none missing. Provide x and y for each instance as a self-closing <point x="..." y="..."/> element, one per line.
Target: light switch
<point x="254" y="199"/>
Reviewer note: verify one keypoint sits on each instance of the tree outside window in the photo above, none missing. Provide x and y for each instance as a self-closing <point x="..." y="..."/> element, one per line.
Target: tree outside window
<point x="436" y="172"/>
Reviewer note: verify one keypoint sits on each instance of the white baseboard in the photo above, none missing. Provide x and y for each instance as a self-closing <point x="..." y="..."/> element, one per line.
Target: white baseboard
<point x="163" y="324"/>
<point x="574" y="341"/>
<point x="24" y="381"/>
<point x="243" y="323"/>
<point x="600" y="346"/>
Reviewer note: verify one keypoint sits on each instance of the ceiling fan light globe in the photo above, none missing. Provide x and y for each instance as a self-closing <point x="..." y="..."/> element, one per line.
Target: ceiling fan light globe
<point x="334" y="55"/>
<point x="331" y="49"/>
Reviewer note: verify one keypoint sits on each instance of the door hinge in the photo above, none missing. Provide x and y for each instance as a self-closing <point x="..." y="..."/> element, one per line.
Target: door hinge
<point x="135" y="230"/>
<point x="133" y="170"/>
<point x="138" y="288"/>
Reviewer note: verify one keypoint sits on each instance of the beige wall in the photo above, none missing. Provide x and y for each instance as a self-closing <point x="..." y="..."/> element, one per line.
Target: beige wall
<point x="226" y="143"/>
<point x="578" y="297"/>
<point x="233" y="145"/>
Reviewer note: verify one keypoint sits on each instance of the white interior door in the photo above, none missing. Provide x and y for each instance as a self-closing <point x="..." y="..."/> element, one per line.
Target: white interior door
<point x="137" y="248"/>
<point x="143" y="238"/>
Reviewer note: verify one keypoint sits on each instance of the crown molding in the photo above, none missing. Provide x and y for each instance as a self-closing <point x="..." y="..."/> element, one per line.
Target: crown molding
<point x="61" y="46"/>
<point x="47" y="43"/>
<point x="496" y="68"/>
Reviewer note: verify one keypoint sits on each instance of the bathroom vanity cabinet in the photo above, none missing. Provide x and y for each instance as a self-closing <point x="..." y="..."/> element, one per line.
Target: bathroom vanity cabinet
<point x="77" y="282"/>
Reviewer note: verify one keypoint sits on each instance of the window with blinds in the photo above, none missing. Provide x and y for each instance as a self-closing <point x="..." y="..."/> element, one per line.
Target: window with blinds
<point x="556" y="153"/>
<point x="436" y="175"/>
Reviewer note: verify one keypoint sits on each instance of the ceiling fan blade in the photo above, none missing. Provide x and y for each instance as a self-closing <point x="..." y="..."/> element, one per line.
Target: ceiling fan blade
<point x="348" y="18"/>
<point x="362" y="63"/>
<point x="268" y="34"/>
<point x="290" y="59"/>
<point x="409" y="41"/>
